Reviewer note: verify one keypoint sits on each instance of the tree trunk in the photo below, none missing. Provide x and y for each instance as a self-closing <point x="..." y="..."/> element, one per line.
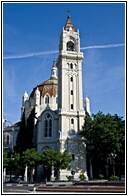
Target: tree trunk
<point x="4" y="175"/>
<point x="31" y="174"/>
<point x="10" y="175"/>
<point x="91" y="174"/>
<point x="58" y="174"/>
<point x="26" y="174"/>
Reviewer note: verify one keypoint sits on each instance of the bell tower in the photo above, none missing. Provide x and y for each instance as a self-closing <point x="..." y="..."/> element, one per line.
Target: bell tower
<point x="70" y="69"/>
<point x="70" y="96"/>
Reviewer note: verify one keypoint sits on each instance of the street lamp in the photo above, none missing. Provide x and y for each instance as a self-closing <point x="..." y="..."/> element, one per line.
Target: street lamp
<point x="106" y="166"/>
<point x="113" y="156"/>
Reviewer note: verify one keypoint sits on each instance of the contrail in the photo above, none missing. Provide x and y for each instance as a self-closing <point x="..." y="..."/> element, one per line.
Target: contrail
<point x="53" y="52"/>
<point x="29" y="55"/>
<point x="103" y="46"/>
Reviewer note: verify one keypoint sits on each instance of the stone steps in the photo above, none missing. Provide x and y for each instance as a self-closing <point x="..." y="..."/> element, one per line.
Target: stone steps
<point x="120" y="189"/>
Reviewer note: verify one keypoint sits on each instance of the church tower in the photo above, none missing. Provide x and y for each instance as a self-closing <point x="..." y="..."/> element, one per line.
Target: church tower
<point x="70" y="97"/>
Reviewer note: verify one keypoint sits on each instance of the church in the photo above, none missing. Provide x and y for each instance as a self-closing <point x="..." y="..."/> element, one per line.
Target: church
<point x="59" y="105"/>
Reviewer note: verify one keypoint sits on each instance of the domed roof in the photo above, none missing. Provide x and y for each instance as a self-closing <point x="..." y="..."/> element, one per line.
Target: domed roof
<point x="47" y="87"/>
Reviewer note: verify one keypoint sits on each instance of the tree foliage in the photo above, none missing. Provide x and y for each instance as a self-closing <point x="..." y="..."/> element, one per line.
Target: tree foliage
<point x="30" y="129"/>
<point x="49" y="158"/>
<point x="56" y="159"/>
<point x="21" y="137"/>
<point x="105" y="134"/>
<point x="30" y="157"/>
<point x="62" y="160"/>
<point x="11" y="163"/>
<point x="25" y="136"/>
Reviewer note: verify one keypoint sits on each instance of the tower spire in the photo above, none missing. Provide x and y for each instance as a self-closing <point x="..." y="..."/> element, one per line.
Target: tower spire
<point x="69" y="24"/>
<point x="53" y="71"/>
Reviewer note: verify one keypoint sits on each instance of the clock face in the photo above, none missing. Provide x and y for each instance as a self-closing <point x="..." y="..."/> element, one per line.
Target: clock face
<point x="73" y="146"/>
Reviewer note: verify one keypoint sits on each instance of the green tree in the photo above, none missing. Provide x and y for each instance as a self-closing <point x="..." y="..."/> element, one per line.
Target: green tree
<point x="11" y="163"/>
<point x="30" y="158"/>
<point x="30" y="130"/>
<point x="104" y="135"/>
<point x="25" y="136"/>
<point x="21" y="137"/>
<point x="120" y="151"/>
<point x="62" y="161"/>
<point x="56" y="159"/>
<point x="47" y="159"/>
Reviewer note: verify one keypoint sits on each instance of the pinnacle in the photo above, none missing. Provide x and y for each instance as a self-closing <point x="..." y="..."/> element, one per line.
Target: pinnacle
<point x="69" y="24"/>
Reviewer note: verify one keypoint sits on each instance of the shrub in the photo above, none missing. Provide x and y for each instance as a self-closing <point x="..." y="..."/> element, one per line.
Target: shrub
<point x="101" y="176"/>
<point x="114" y="178"/>
<point x="70" y="178"/>
<point x="82" y="177"/>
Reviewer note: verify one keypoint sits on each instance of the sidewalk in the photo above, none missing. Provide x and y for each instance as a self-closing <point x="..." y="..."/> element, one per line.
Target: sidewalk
<point x="66" y="187"/>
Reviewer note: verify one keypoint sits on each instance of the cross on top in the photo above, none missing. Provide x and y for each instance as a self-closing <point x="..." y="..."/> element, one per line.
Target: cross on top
<point x="68" y="12"/>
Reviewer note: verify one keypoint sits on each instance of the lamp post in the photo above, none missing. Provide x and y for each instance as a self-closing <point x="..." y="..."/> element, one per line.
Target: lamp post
<point x="106" y="166"/>
<point x="113" y="156"/>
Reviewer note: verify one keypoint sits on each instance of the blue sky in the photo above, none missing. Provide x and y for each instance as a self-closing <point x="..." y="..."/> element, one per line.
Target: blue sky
<point x="31" y="33"/>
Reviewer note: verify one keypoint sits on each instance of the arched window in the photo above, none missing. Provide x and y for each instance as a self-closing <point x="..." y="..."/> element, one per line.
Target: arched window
<point x="70" y="46"/>
<point x="46" y="128"/>
<point x="71" y="66"/>
<point x="46" y="99"/>
<point x="72" y="121"/>
<point x="48" y="125"/>
<point x="73" y="157"/>
<point x="71" y="92"/>
<point x="46" y="148"/>
<point x="75" y="66"/>
<point x="71" y="79"/>
<point x="71" y="106"/>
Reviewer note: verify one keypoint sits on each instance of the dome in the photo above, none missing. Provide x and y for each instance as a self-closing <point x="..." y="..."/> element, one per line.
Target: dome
<point x="47" y="87"/>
